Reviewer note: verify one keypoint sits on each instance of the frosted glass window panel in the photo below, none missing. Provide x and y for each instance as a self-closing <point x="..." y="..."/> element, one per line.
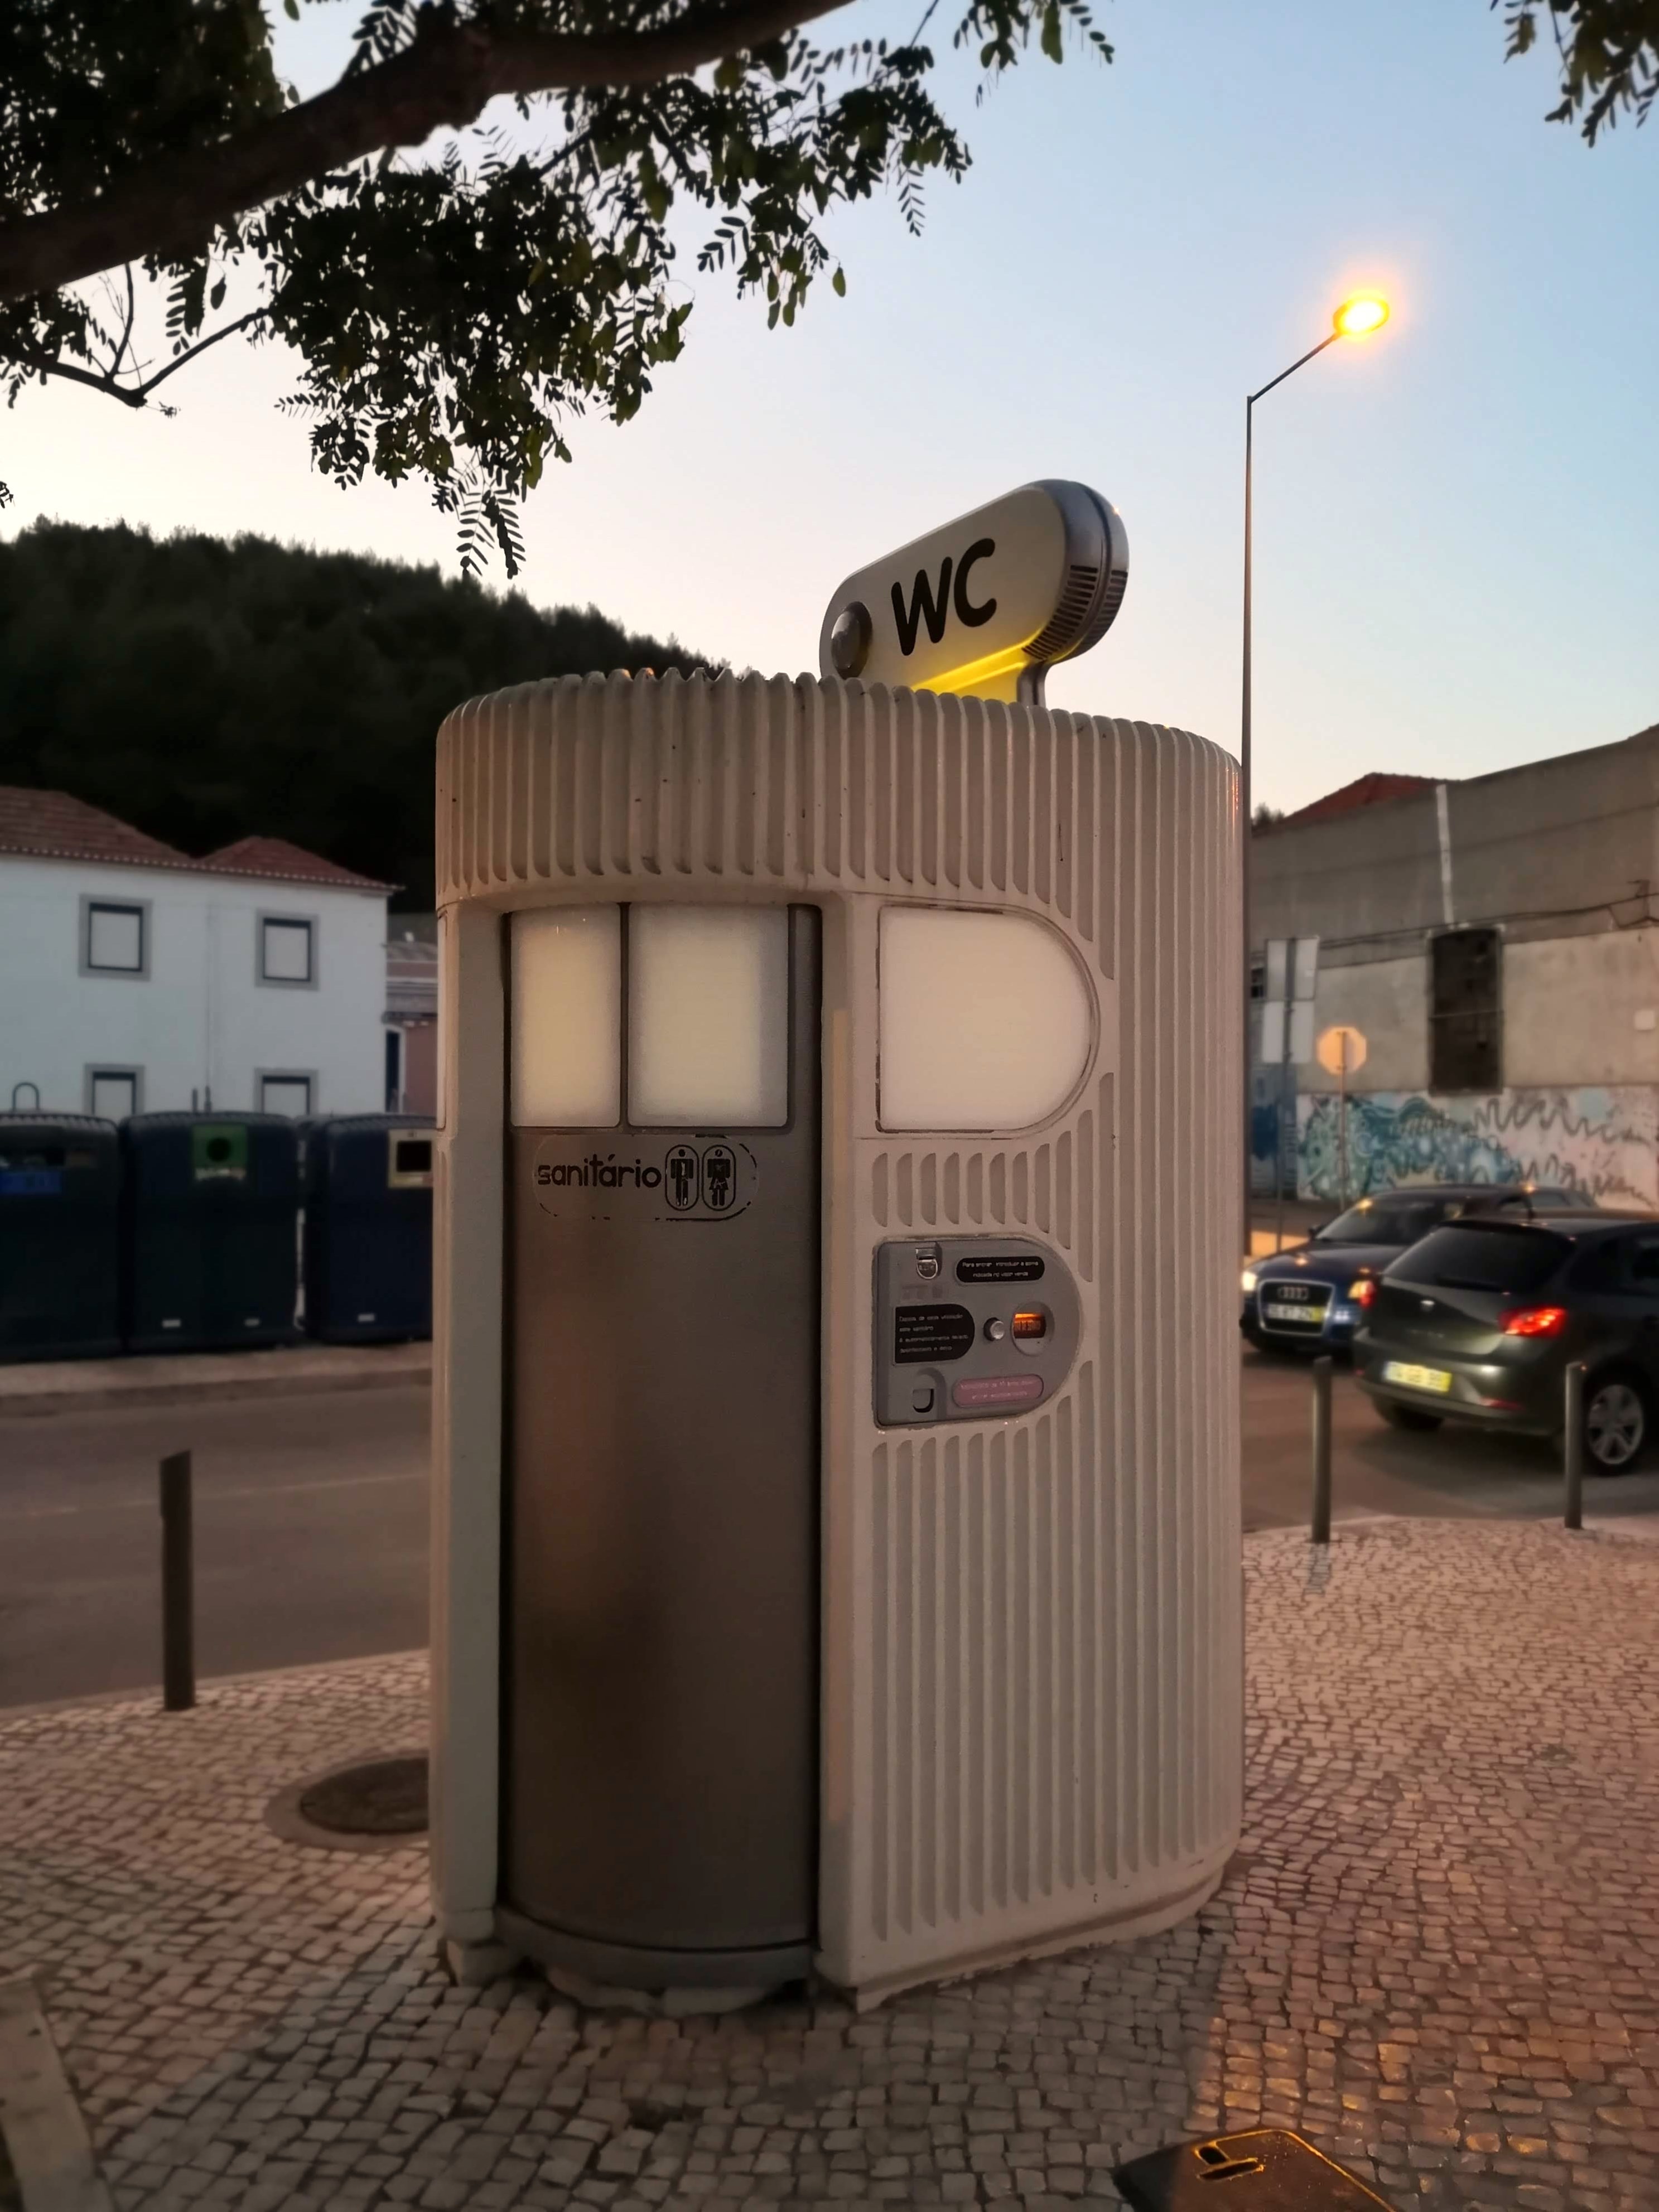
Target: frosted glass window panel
<point x="986" y="1021"/>
<point x="114" y="1094"/>
<point x="708" y="1027"/>
<point x="285" y="1094"/>
<point x="115" y="939"/>
<point x="285" y="951"/>
<point x="566" y="1017"/>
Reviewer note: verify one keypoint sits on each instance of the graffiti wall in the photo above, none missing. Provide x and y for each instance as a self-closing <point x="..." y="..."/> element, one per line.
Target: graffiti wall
<point x="1604" y="1142"/>
<point x="1272" y="1131"/>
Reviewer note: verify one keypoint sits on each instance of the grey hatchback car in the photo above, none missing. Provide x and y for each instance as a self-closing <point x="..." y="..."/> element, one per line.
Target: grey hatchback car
<point x="1478" y="1322"/>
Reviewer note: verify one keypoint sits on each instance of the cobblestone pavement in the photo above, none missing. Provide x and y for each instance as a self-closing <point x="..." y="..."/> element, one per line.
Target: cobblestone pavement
<point x="1438" y="1953"/>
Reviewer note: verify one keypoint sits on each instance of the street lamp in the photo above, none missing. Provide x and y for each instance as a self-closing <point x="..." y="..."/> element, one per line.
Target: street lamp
<point x="1356" y="318"/>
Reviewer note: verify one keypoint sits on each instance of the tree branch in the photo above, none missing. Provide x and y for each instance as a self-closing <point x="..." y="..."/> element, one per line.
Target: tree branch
<point x="191" y="353"/>
<point x="135" y="395"/>
<point x="67" y="369"/>
<point x="169" y="208"/>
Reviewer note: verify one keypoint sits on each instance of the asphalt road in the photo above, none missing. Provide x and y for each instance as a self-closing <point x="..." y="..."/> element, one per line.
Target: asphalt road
<point x="311" y="1540"/>
<point x="310" y="1526"/>
<point x="1449" y="1473"/>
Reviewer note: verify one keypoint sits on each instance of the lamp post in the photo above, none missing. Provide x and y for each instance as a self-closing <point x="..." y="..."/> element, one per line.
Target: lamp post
<point x="1355" y="318"/>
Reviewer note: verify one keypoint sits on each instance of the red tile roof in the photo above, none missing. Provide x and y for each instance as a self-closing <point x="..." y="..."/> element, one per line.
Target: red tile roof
<point x="50" y="825"/>
<point x="1364" y="791"/>
<point x="284" y="863"/>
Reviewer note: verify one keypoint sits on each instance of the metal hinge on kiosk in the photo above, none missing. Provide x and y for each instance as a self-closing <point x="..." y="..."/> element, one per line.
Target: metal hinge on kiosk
<point x="970" y="1328"/>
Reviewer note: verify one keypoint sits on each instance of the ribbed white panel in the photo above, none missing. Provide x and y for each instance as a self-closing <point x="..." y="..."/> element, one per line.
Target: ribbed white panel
<point x="1032" y="1648"/>
<point x="592" y="780"/>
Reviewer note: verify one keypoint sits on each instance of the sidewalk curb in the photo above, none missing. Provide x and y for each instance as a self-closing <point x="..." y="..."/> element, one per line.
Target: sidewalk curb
<point x="45" y="2136"/>
<point x="196" y="1389"/>
<point x="150" y="1693"/>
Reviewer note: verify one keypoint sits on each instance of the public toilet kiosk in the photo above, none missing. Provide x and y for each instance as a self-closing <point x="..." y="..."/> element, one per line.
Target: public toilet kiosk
<point x="836" y="1559"/>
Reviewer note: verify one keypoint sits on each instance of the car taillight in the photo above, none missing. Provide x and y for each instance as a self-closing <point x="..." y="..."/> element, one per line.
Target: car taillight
<point x="1536" y="1321"/>
<point x="1362" y="1292"/>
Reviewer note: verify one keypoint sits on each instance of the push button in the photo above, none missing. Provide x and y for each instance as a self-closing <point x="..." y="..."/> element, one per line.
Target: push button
<point x="921" y="1400"/>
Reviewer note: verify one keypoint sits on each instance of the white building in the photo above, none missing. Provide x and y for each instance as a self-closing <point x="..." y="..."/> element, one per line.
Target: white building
<point x="135" y="978"/>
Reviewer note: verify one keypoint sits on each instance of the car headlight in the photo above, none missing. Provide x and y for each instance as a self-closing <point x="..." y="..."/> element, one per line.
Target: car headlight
<point x="1247" y="1281"/>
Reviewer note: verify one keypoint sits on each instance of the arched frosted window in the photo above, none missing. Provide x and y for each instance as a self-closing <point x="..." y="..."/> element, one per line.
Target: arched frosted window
<point x="985" y="1020"/>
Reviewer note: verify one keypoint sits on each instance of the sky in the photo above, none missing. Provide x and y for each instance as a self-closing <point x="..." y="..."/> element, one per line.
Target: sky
<point x="1457" y="521"/>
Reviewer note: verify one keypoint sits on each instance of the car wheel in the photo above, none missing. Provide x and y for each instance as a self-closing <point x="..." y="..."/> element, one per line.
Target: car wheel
<point x="1406" y="1417"/>
<point x="1615" y="1424"/>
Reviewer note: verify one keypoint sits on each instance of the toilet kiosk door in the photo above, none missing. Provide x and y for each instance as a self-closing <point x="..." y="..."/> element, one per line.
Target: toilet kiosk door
<point x="660" y="1770"/>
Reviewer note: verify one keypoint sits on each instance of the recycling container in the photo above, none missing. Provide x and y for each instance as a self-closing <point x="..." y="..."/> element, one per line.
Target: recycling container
<point x="212" y="1218"/>
<point x="368" y="1228"/>
<point x="60" y="1232"/>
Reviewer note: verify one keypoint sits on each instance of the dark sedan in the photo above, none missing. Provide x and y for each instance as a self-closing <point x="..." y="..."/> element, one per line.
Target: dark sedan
<point x="1313" y="1299"/>
<point x="1478" y="1322"/>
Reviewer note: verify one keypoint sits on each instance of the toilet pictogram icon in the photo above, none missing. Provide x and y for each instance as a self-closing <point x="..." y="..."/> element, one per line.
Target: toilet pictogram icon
<point x="720" y="1169"/>
<point x="680" y="1175"/>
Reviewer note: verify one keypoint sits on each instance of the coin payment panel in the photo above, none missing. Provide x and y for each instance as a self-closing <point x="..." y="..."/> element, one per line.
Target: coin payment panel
<point x="970" y="1328"/>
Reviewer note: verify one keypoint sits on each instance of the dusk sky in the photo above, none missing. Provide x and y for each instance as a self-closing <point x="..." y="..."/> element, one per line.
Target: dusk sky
<point x="1457" y="559"/>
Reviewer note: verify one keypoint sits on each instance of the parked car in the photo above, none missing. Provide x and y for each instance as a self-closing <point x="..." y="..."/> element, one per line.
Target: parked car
<point x="1478" y="1321"/>
<point x="1312" y="1298"/>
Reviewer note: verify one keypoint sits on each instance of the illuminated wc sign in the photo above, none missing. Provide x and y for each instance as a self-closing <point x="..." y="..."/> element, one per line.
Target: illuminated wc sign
<point x="988" y="603"/>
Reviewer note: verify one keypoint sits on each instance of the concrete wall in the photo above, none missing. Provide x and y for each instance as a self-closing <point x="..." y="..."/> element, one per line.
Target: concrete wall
<point x="199" y="1020"/>
<point x="1386" y="1000"/>
<point x="1582" y="1009"/>
<point x="1579" y="1011"/>
<point x="1563" y="856"/>
<point x="1577" y="835"/>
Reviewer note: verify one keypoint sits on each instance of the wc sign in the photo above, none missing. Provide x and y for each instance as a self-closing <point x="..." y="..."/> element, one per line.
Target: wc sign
<point x="990" y="602"/>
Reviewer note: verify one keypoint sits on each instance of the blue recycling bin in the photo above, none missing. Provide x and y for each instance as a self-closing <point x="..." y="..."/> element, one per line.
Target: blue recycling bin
<point x="212" y="1218"/>
<point x="60" y="1236"/>
<point x="368" y="1228"/>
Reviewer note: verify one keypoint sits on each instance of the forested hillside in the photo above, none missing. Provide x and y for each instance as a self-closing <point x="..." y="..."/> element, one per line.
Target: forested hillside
<point x="207" y="690"/>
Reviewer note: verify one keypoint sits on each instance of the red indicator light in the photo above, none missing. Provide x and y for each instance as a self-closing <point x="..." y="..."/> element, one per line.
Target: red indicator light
<point x="1362" y="1291"/>
<point x="1536" y="1321"/>
<point x="1030" y="1324"/>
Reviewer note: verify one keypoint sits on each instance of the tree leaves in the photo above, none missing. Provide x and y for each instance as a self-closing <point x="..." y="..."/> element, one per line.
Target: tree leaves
<point x="453" y="310"/>
<point x="1608" y="51"/>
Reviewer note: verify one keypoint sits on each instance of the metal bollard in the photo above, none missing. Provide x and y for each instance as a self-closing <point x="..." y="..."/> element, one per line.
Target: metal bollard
<point x="1572" y="1446"/>
<point x="178" y="1593"/>
<point x="1322" y="1450"/>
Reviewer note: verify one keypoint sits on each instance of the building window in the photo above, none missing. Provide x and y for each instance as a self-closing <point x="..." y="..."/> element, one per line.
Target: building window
<point x="283" y="1093"/>
<point x="113" y="1093"/>
<point x="1466" y="1011"/>
<point x="114" y="937"/>
<point x="288" y="949"/>
<point x="1258" y="979"/>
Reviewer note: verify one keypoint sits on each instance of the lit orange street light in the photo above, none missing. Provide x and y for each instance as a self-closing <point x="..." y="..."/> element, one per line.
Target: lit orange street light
<point x="1356" y="318"/>
<point x="1359" y="317"/>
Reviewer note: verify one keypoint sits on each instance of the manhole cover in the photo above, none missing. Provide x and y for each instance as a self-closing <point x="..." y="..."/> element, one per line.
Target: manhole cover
<point x="386" y="1797"/>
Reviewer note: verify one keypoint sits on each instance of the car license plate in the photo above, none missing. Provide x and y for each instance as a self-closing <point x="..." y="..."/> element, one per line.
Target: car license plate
<point x="1416" y="1378"/>
<point x="1308" y="1316"/>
